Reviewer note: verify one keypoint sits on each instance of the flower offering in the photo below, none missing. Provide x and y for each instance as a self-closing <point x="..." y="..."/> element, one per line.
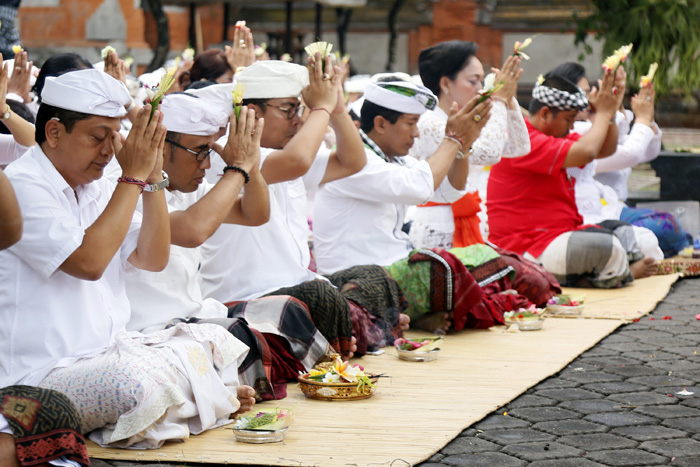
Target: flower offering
<point x="238" y="91"/>
<point x="619" y="56"/>
<point x="489" y="87"/>
<point x="647" y="79"/>
<point x="266" y="419"/>
<point x="520" y="46"/>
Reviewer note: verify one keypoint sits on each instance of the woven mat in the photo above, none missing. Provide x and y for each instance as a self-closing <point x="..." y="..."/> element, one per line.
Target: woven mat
<point x="628" y="303"/>
<point x="412" y="415"/>
<point x="423" y="406"/>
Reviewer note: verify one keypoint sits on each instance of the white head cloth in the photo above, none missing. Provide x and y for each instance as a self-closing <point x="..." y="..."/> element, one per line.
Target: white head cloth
<point x="190" y="115"/>
<point x="220" y="95"/>
<point x="418" y="101"/>
<point x="357" y="83"/>
<point x="87" y="91"/>
<point x="271" y="79"/>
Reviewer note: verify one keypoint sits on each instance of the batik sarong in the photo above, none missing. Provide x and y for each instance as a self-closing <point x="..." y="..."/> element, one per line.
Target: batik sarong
<point x="530" y="279"/>
<point x="369" y="288"/>
<point x="282" y="340"/>
<point x="596" y="256"/>
<point x="151" y="388"/>
<point x="45" y="425"/>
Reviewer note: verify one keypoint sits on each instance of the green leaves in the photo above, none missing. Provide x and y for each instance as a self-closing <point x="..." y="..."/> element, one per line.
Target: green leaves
<point x="663" y="31"/>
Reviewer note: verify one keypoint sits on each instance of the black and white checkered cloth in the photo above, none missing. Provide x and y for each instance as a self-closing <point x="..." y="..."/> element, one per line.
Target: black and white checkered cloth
<point x="558" y="99"/>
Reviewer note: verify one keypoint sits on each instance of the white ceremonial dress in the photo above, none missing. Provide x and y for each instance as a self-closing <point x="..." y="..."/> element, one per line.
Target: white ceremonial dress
<point x="358" y="219"/>
<point x="505" y="135"/>
<point x="242" y="263"/>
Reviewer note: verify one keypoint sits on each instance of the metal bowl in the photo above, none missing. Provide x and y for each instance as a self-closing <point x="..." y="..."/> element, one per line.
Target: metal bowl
<point x="416" y="356"/>
<point x="334" y="391"/>
<point x="260" y="436"/>
<point x="535" y="325"/>
<point x="563" y="310"/>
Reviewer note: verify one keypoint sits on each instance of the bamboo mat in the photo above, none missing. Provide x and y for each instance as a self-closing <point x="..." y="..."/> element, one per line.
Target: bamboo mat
<point x="423" y="406"/>
<point x="412" y="415"/>
<point x="629" y="303"/>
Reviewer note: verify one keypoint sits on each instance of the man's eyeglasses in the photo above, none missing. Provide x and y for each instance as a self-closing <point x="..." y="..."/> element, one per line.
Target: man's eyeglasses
<point x="296" y="111"/>
<point x="199" y="155"/>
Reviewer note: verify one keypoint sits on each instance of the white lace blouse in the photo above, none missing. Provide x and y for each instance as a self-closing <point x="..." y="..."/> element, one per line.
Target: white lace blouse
<point x="504" y="135"/>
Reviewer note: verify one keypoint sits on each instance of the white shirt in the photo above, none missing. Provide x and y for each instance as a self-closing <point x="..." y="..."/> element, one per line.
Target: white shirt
<point x="10" y="150"/>
<point x="358" y="219"/>
<point x="51" y="318"/>
<point x="241" y="263"/>
<point x="175" y="292"/>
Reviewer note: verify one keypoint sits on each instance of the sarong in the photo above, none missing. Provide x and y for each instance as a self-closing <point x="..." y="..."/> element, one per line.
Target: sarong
<point x="377" y="301"/>
<point x="599" y="255"/>
<point x="151" y="388"/>
<point x="45" y="425"/>
<point x="671" y="235"/>
<point x="530" y="279"/>
<point x="282" y="340"/>
<point x="438" y="281"/>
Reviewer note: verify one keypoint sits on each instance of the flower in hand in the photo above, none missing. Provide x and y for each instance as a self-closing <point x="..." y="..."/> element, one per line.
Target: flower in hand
<point x="647" y="79"/>
<point x="520" y="46"/>
<point x="619" y="56"/>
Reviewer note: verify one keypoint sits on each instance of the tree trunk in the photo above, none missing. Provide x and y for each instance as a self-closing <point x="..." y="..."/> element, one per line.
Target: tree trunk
<point x="343" y="15"/>
<point x="393" y="33"/>
<point x="163" y="43"/>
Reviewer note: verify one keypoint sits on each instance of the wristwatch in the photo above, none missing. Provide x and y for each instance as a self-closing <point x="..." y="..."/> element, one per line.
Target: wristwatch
<point x="6" y="114"/>
<point x="153" y="187"/>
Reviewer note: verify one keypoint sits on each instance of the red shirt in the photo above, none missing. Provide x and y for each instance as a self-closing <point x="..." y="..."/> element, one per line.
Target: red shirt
<point x="530" y="200"/>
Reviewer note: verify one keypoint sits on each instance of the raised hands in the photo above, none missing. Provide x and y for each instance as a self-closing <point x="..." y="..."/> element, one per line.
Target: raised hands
<point x="509" y="76"/>
<point x="115" y="67"/>
<point x="608" y="97"/>
<point x="642" y="105"/>
<point x="19" y="81"/>
<point x="467" y="122"/>
<point x="141" y="156"/>
<point x="242" y="51"/>
<point x="322" y="91"/>
<point x="243" y="146"/>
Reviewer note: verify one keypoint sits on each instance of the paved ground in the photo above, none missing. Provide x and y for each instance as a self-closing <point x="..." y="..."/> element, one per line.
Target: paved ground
<point x="615" y="405"/>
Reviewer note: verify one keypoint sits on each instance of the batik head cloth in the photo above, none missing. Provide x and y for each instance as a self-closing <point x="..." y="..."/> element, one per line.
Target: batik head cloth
<point x="560" y="100"/>
<point x="401" y="96"/>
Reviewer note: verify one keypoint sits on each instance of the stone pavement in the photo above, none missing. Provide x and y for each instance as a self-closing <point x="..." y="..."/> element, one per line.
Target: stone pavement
<point x="615" y="405"/>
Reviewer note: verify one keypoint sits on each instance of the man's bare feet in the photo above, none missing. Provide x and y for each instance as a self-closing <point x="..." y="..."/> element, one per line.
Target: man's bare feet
<point x="437" y="323"/>
<point x="404" y="322"/>
<point x="645" y="267"/>
<point x="246" y="396"/>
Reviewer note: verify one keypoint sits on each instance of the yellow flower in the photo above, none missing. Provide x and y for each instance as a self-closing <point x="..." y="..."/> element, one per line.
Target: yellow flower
<point x="188" y="54"/>
<point x="324" y="48"/>
<point x="619" y="56"/>
<point x="105" y="52"/>
<point x="238" y="92"/>
<point x="345" y="371"/>
<point x="16" y="48"/>
<point x="286" y="58"/>
<point x="540" y="79"/>
<point x="520" y="46"/>
<point x="646" y="79"/>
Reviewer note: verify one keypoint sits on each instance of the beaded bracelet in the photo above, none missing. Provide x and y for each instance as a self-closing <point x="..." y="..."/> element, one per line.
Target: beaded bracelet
<point x="322" y="108"/>
<point x="235" y="168"/>
<point x="132" y="181"/>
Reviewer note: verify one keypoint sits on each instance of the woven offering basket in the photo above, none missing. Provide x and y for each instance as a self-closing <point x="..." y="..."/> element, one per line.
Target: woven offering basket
<point x="334" y="391"/>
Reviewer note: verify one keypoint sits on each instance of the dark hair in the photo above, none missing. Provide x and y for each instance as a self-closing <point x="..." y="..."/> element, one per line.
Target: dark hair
<point x="371" y="110"/>
<point x="569" y="70"/>
<point x="556" y="82"/>
<point x="21" y="110"/>
<point x="208" y="65"/>
<point x="67" y="117"/>
<point x="444" y="59"/>
<point x="56" y="65"/>
<point x="200" y="84"/>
